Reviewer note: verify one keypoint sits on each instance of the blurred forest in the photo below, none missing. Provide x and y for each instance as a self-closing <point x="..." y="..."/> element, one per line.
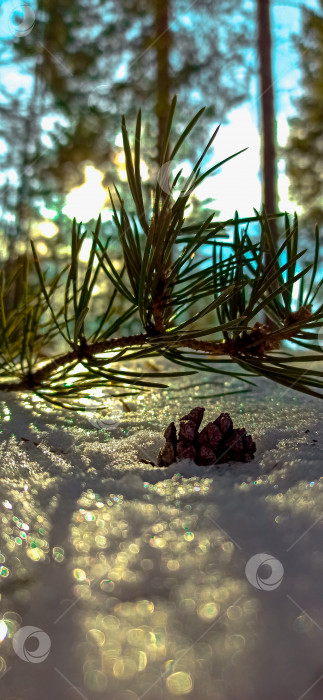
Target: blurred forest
<point x="304" y="150"/>
<point x="86" y="63"/>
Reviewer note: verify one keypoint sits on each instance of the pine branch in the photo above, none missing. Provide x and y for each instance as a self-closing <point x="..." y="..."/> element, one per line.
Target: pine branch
<point x="194" y="310"/>
<point x="254" y="344"/>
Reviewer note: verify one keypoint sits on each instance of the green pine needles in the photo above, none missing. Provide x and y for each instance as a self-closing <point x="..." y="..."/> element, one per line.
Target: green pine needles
<point x="199" y="297"/>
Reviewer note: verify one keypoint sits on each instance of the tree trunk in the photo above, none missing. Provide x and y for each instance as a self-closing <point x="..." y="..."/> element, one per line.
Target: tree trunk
<point x="23" y="204"/>
<point x="162" y="47"/>
<point x="268" y="123"/>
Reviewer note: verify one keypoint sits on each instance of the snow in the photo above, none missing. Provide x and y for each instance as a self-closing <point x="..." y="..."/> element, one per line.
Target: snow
<point x="136" y="576"/>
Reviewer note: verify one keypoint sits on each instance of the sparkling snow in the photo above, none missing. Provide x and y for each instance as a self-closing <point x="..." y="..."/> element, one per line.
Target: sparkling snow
<point x="135" y="577"/>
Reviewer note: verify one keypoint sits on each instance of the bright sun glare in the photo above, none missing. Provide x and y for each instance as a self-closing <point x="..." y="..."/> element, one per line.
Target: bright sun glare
<point x="47" y="229"/>
<point x="237" y="181"/>
<point x="85" y="202"/>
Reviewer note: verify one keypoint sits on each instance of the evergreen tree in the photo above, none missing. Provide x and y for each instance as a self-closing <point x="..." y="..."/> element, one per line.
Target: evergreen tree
<point x="304" y="149"/>
<point x="76" y="53"/>
<point x="199" y="53"/>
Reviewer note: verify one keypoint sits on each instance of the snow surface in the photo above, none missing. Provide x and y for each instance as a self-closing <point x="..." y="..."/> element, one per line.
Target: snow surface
<point x="138" y="575"/>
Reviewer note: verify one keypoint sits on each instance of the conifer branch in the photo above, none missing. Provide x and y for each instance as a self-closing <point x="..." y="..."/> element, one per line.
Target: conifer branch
<point x="178" y="294"/>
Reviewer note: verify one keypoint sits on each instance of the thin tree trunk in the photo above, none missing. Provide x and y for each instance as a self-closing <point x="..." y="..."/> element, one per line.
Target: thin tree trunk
<point x="162" y="47"/>
<point x="162" y="106"/>
<point x="32" y="147"/>
<point x="23" y="192"/>
<point x="268" y="123"/>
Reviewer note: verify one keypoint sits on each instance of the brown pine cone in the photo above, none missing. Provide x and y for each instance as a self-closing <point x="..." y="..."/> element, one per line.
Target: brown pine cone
<point x="189" y="424"/>
<point x="224" y="422"/>
<point x="218" y="442"/>
<point x="167" y="454"/>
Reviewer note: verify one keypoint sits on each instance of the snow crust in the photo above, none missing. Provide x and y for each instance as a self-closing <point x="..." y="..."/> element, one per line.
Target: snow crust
<point x="138" y="574"/>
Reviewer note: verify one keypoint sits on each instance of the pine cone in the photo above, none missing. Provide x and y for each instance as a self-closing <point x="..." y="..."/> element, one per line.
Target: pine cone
<point x="218" y="442"/>
<point x="167" y="454"/>
<point x="210" y="438"/>
<point x="188" y="434"/>
<point x="189" y="424"/>
<point x="186" y="451"/>
<point x="224" y="422"/>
